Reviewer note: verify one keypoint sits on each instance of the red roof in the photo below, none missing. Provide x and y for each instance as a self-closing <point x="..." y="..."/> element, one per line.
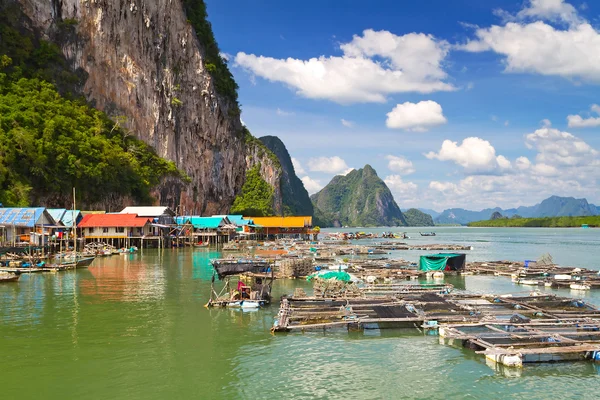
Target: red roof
<point x="113" y="220"/>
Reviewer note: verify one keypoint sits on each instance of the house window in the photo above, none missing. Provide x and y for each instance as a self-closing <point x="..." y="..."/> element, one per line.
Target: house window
<point x="120" y="230"/>
<point x="105" y="230"/>
<point x="90" y="230"/>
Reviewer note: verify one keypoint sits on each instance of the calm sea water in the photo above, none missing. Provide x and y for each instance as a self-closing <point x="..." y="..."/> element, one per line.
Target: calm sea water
<point x="134" y="327"/>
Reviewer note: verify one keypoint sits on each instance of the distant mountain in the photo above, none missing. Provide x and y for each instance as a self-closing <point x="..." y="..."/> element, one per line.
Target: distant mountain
<point x="295" y="197"/>
<point x="553" y="206"/>
<point x="359" y="198"/>
<point x="415" y="217"/>
<point x="429" y="211"/>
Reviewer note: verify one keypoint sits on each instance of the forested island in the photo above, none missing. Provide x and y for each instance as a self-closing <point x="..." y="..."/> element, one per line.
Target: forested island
<point x="549" y="222"/>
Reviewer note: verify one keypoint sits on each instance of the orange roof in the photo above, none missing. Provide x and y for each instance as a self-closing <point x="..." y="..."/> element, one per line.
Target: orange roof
<point x="112" y="220"/>
<point x="282" y="222"/>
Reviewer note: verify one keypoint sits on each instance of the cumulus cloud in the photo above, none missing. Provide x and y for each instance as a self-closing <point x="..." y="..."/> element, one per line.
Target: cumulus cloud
<point x="311" y="185"/>
<point x="331" y="165"/>
<point x="576" y="121"/>
<point x="474" y="154"/>
<point x="372" y="66"/>
<point x="537" y="47"/>
<point x="559" y="148"/>
<point x="564" y="165"/>
<point x="298" y="166"/>
<point x="402" y="191"/>
<point x="400" y="165"/>
<point x="416" y="116"/>
<point x="346" y="123"/>
<point x="550" y="10"/>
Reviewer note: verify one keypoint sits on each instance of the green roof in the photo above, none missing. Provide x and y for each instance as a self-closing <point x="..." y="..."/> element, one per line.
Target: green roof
<point x="202" y="222"/>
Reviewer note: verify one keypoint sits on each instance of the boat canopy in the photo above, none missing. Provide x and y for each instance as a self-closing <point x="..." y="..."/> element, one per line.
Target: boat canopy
<point x="225" y="268"/>
<point x="442" y="262"/>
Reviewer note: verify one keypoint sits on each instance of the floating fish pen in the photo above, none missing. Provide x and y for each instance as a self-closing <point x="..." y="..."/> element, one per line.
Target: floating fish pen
<point x="400" y="310"/>
<point x="514" y="331"/>
<point x="253" y="286"/>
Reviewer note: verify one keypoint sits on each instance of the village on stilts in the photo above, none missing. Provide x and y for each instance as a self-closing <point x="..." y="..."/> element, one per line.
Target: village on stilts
<point x="354" y="283"/>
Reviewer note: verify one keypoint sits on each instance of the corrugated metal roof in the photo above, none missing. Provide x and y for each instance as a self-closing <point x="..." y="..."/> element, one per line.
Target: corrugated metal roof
<point x="283" y="222"/>
<point x="148" y="211"/>
<point x="238" y="220"/>
<point x="203" y="222"/>
<point x="113" y="220"/>
<point x="57" y="214"/>
<point x="25" y="217"/>
<point x="64" y="216"/>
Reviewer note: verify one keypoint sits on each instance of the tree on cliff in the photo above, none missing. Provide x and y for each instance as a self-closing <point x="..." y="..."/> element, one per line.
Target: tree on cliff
<point x="256" y="199"/>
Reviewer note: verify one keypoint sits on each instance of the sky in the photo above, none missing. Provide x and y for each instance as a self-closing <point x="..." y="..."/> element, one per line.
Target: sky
<point x="462" y="103"/>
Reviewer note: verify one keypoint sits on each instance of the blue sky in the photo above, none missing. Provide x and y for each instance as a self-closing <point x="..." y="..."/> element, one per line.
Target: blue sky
<point x="455" y="104"/>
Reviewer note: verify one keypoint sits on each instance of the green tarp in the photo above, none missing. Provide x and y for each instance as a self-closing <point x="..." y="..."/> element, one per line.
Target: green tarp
<point x="339" y="275"/>
<point x="441" y="262"/>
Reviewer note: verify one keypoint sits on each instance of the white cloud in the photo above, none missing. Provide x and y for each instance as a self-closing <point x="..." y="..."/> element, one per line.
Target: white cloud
<point x="550" y="10"/>
<point x="372" y="66"/>
<point x="311" y="185"/>
<point x="331" y="165"/>
<point x="506" y="123"/>
<point x="537" y="47"/>
<point x="346" y="123"/>
<point x="576" y="121"/>
<point x="474" y="154"/>
<point x="556" y="148"/>
<point x="416" y="116"/>
<point x="546" y="123"/>
<point x="400" y="165"/>
<point x="522" y="163"/>
<point x="282" y="113"/>
<point x="298" y="167"/>
<point x="403" y="192"/>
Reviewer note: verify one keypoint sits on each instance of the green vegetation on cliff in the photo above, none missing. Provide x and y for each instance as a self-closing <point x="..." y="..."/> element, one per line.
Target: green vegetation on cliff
<point x="549" y="222"/>
<point x="295" y="196"/>
<point x="416" y="217"/>
<point x="214" y="63"/>
<point x="359" y="198"/>
<point x="52" y="140"/>
<point x="256" y="199"/>
<point x="49" y="144"/>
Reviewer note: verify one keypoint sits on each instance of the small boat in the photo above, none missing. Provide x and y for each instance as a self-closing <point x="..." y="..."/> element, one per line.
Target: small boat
<point x="84" y="262"/>
<point x="427" y="233"/>
<point x="438" y="275"/>
<point x="528" y="282"/>
<point x="579" y="286"/>
<point x="201" y="244"/>
<point x="9" y="277"/>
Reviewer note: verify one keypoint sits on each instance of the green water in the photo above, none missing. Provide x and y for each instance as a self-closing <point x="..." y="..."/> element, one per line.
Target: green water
<point x="134" y="327"/>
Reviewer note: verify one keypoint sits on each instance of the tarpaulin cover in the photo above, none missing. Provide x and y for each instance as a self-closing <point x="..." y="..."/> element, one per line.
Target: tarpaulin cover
<point x="442" y="262"/>
<point x="339" y="275"/>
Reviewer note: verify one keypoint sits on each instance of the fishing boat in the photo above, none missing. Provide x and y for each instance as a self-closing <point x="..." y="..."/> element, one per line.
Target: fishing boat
<point x="528" y="282"/>
<point x="579" y="286"/>
<point x="9" y="277"/>
<point x="253" y="286"/>
<point x="201" y="245"/>
<point x="427" y="233"/>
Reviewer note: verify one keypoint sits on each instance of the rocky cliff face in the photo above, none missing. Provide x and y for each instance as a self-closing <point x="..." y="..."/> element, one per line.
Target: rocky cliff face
<point x="145" y="68"/>
<point x="294" y="196"/>
<point x="360" y="198"/>
<point x="270" y="170"/>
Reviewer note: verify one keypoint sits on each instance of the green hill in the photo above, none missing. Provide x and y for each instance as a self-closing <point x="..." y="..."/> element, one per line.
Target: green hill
<point x="359" y="198"/>
<point x="416" y="217"/>
<point x="549" y="222"/>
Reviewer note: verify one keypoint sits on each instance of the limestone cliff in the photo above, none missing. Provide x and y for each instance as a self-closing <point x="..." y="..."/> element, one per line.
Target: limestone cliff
<point x="294" y="196"/>
<point x="359" y="198"/>
<point x="146" y="68"/>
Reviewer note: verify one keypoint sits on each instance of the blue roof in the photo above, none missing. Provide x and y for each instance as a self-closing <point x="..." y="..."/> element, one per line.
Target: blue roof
<point x="202" y="222"/>
<point x="236" y="219"/>
<point x="57" y="214"/>
<point x="65" y="216"/>
<point x="25" y="217"/>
